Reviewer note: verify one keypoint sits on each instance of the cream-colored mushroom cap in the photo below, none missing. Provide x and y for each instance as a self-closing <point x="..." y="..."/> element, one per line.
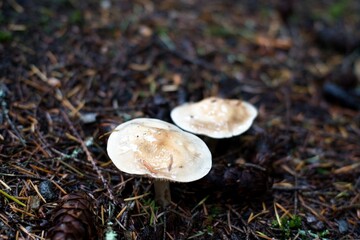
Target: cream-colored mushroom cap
<point x="215" y="117"/>
<point x="159" y="149"/>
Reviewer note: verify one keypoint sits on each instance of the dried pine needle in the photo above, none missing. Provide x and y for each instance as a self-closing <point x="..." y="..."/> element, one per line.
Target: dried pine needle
<point x="136" y="197"/>
<point x="12" y="198"/>
<point x="277" y="215"/>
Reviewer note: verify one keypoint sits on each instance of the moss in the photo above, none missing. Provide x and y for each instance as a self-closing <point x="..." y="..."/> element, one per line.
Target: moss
<point x="5" y="36"/>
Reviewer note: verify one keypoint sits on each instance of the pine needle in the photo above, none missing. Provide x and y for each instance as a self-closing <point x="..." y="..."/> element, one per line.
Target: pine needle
<point x="12" y="198"/>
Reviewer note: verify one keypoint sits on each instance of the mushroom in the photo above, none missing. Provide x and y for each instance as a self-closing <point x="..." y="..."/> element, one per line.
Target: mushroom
<point x="160" y="150"/>
<point x="215" y="117"/>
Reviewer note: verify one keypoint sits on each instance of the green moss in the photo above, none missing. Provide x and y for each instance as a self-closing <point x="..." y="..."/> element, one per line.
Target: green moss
<point x="2" y="18"/>
<point x="292" y="226"/>
<point x="220" y="31"/>
<point x="338" y="9"/>
<point x="76" y="17"/>
<point x="287" y="224"/>
<point x="5" y="36"/>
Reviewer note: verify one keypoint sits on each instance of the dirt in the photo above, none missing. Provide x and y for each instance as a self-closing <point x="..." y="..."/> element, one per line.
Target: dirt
<point x="71" y="71"/>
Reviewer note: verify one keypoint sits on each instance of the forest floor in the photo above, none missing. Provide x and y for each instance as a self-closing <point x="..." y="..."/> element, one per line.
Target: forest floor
<point x="71" y="71"/>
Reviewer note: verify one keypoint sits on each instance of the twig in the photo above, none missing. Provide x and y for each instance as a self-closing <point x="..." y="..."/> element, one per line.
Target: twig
<point x="314" y="212"/>
<point x="252" y="165"/>
<point x="347" y="207"/>
<point x="84" y="146"/>
<point x="295" y="188"/>
<point x="23" y="176"/>
<point x="296" y="199"/>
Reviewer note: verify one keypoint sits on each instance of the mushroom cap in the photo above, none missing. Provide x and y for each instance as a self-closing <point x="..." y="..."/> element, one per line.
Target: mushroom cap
<point x="147" y="146"/>
<point x="215" y="117"/>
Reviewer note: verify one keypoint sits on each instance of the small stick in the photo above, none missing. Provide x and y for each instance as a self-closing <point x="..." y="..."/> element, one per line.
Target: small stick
<point x="347" y="207"/>
<point x="84" y="146"/>
<point x="296" y="199"/>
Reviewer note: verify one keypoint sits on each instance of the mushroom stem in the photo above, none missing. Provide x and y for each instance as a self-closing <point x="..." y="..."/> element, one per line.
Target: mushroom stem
<point x="162" y="192"/>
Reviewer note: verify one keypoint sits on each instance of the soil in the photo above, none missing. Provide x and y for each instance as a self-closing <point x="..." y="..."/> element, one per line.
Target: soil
<point x="71" y="71"/>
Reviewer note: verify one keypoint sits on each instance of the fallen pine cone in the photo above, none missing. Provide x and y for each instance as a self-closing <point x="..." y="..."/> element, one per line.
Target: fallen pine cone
<point x="73" y="219"/>
<point x="244" y="184"/>
<point x="239" y="183"/>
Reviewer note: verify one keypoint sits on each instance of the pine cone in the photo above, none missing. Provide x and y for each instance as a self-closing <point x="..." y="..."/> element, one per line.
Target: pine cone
<point x="235" y="182"/>
<point x="73" y="219"/>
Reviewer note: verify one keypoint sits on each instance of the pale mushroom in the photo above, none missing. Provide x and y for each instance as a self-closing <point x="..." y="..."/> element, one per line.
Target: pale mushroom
<point x="215" y="117"/>
<point x="160" y="150"/>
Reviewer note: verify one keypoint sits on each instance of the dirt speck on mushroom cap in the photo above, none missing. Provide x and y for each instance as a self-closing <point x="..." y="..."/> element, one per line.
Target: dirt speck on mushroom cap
<point x="159" y="149"/>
